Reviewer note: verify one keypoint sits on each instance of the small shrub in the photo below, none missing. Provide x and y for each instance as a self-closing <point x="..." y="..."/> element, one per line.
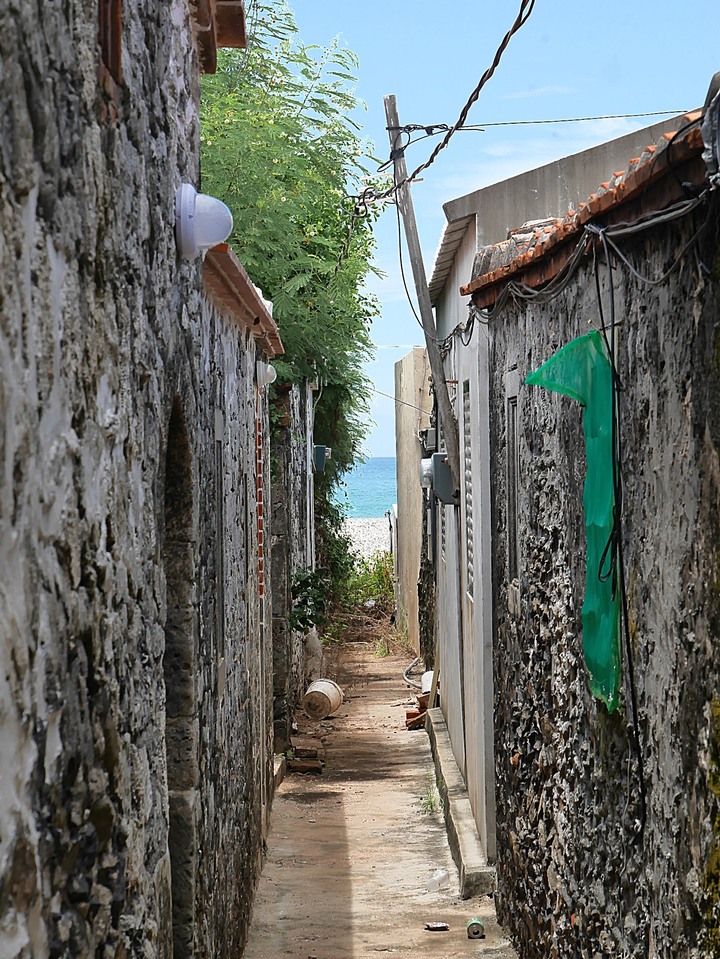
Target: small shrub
<point x="370" y="585"/>
<point x="309" y="597"/>
<point x="431" y="801"/>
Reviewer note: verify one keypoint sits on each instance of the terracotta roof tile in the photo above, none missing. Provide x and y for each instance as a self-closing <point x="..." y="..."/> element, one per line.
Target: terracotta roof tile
<point x="535" y="241"/>
<point x="233" y="293"/>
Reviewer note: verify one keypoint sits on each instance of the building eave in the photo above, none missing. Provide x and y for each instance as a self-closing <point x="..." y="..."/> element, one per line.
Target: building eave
<point x="452" y="236"/>
<point x="217" y="23"/>
<point x="650" y="183"/>
<point x="227" y="285"/>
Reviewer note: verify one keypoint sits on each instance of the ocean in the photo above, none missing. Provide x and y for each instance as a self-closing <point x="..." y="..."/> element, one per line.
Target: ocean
<point x="370" y="489"/>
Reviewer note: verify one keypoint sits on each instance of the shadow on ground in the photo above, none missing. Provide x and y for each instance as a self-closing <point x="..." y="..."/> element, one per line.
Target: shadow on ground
<point x="350" y="851"/>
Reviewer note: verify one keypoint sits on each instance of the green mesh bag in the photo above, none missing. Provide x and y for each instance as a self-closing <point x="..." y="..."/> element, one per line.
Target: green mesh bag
<point x="582" y="371"/>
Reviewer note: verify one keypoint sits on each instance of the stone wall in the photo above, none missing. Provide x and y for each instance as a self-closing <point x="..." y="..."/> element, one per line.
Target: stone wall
<point x="134" y="696"/>
<point x="576" y="876"/>
<point x="291" y="552"/>
<point x="235" y="640"/>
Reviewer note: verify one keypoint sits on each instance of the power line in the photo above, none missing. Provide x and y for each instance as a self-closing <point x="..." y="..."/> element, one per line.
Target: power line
<point x="608" y="116"/>
<point x="370" y="195"/>
<point x="400" y="257"/>
<point x="556" y="286"/>
<point x="401" y="402"/>
<point x="526" y="9"/>
<point x="434" y="129"/>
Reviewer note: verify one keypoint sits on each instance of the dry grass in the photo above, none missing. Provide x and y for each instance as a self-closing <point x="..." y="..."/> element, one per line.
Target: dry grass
<point x="370" y="626"/>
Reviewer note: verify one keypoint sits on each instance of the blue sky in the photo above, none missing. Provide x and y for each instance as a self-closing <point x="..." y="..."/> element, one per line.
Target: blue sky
<point x="573" y="58"/>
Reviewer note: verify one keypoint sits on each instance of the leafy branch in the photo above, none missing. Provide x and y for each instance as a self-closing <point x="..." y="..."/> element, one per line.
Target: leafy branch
<point x="280" y="146"/>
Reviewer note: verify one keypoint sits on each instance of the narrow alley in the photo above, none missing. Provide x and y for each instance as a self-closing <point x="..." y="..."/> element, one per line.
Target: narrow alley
<point x="350" y="851"/>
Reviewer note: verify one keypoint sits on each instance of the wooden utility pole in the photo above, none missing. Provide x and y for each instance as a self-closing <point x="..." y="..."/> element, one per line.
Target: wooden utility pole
<point x="403" y="199"/>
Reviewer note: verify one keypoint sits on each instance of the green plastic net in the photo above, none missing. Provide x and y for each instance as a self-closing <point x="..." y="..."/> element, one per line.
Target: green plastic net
<point x="582" y="371"/>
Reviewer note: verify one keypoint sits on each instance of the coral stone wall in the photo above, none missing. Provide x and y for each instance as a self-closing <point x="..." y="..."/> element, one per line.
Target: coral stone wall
<point x="235" y="641"/>
<point x="576" y="876"/>
<point x="291" y="552"/>
<point x="133" y="690"/>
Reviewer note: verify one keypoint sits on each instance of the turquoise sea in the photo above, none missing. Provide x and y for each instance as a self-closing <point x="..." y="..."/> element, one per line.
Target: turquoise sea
<point x="370" y="489"/>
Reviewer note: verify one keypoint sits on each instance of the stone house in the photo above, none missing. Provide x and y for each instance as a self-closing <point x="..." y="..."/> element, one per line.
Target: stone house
<point x="135" y="611"/>
<point x="598" y="808"/>
<point x="297" y="654"/>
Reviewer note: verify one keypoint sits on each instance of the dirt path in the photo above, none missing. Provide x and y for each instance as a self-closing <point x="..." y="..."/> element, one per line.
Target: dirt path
<point x="350" y="851"/>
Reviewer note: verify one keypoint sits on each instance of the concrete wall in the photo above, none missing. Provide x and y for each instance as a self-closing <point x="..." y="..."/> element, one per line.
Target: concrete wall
<point x="412" y="388"/>
<point x="574" y="875"/>
<point x="464" y="615"/>
<point x="134" y="661"/>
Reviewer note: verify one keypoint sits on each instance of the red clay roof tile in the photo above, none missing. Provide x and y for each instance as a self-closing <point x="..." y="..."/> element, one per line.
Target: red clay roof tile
<point x="227" y="284"/>
<point x="540" y="255"/>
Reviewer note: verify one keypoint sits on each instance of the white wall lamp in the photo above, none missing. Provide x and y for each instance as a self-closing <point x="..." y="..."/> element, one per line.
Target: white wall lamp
<point x="201" y="221"/>
<point x="265" y="373"/>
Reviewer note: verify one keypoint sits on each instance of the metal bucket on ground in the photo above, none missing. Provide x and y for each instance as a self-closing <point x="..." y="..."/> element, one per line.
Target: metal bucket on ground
<point x="323" y="698"/>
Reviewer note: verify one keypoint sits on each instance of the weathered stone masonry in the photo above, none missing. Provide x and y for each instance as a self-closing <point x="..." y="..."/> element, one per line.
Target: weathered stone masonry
<point x="294" y="653"/>
<point x="574" y="878"/>
<point x="134" y="646"/>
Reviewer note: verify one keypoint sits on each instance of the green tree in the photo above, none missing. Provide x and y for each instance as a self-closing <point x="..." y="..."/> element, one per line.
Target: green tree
<point x="281" y="148"/>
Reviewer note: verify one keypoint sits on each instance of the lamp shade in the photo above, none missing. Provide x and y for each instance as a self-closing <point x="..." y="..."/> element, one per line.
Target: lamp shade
<point x="265" y="373"/>
<point x="201" y="221"/>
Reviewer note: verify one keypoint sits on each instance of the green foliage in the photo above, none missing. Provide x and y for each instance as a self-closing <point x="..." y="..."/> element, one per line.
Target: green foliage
<point x="309" y="599"/>
<point x="332" y="545"/>
<point x="362" y="597"/>
<point x="280" y="147"/>
<point x="370" y="584"/>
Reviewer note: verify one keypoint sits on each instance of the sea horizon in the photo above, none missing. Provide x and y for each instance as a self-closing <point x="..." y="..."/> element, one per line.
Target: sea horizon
<point x="369" y="490"/>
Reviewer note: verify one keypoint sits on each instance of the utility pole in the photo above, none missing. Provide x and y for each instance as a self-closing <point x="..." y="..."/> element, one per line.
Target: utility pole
<point x="403" y="199"/>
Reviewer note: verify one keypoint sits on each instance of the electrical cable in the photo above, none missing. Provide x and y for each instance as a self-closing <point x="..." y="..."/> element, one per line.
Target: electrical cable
<point x="480" y="127"/>
<point x="421" y="390"/>
<point x="370" y="195"/>
<point x="617" y="567"/>
<point x="560" y="282"/>
<point x="406" y="674"/>
<point x="401" y="402"/>
<point x="400" y="255"/>
<point x="465" y="332"/>
<point x="402" y="268"/>
<point x="526" y="8"/>
<point x="646" y="220"/>
<point x="434" y="129"/>
<point x="649" y="281"/>
<point x="524" y="13"/>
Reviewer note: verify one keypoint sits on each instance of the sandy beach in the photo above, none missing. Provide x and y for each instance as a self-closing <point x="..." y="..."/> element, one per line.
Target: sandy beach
<point x="368" y="536"/>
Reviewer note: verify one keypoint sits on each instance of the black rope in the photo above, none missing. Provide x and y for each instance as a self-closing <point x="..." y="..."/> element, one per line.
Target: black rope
<point x="526" y="8"/>
<point x="614" y="544"/>
<point x="361" y="210"/>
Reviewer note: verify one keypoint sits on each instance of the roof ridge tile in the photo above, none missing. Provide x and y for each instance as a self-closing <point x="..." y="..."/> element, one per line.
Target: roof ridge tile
<point x="532" y="245"/>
